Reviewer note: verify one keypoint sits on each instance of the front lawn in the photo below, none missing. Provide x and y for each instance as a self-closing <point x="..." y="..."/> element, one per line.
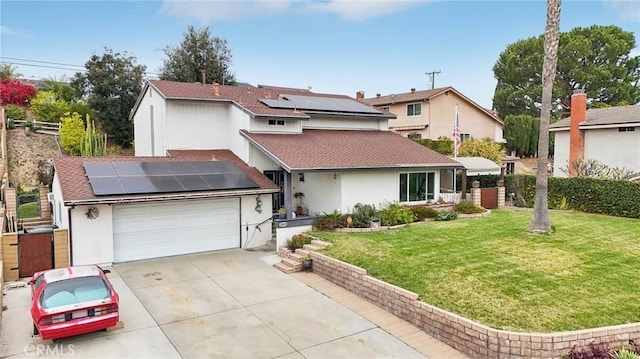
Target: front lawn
<point x="585" y="275"/>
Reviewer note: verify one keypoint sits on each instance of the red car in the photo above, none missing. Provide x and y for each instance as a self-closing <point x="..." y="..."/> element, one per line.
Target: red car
<point x="71" y="301"/>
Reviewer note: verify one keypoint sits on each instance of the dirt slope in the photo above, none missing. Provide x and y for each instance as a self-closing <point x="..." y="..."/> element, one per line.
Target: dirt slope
<point x="26" y="152"/>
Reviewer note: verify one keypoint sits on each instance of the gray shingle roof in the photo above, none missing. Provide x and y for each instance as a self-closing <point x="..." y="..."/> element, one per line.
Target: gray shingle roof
<point x="619" y="115"/>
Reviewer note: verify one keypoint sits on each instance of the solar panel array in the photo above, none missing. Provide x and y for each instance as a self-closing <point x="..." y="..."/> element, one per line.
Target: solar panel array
<point x="111" y="178"/>
<point x="316" y="103"/>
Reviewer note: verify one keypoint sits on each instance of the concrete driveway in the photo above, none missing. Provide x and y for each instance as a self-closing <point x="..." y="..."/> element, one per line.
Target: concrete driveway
<point x="226" y="304"/>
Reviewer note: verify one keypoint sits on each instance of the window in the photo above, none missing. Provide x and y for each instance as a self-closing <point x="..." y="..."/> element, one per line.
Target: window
<point x="385" y="108"/>
<point x="464" y="136"/>
<point x="414" y="109"/>
<point x="414" y="136"/>
<point x="417" y="186"/>
<point x="276" y="122"/>
<point x="626" y="129"/>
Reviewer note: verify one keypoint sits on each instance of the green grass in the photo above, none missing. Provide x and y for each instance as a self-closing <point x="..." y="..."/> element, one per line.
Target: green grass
<point x="586" y="274"/>
<point x="28" y="210"/>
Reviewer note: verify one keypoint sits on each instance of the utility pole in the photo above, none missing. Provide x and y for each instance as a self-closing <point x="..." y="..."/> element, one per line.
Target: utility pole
<point x="432" y="77"/>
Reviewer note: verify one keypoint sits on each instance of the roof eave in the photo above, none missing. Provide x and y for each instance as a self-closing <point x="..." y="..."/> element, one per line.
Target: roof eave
<point x="165" y="197"/>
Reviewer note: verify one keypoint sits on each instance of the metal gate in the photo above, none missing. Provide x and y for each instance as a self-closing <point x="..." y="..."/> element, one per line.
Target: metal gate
<point x="489" y="198"/>
<point x="35" y="252"/>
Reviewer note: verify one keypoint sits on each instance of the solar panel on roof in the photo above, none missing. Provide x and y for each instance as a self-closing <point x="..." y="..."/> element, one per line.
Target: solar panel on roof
<point x="317" y="103"/>
<point x="99" y="169"/>
<point x="106" y="185"/>
<point x="112" y="178"/>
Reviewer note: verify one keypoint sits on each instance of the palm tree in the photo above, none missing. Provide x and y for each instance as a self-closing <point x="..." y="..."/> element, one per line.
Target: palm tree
<point x="60" y="87"/>
<point x="540" y="222"/>
<point x="8" y="71"/>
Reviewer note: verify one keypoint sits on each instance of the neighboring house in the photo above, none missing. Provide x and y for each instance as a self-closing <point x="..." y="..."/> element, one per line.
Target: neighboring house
<point x="431" y="114"/>
<point x="120" y="209"/>
<point x="610" y="135"/>
<point x="334" y="149"/>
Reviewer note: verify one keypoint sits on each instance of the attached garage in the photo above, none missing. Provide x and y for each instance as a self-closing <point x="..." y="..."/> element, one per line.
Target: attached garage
<point x="161" y="229"/>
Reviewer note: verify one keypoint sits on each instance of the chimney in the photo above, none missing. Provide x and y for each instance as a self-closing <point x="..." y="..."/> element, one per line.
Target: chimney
<point x="216" y="89"/>
<point x="576" y="136"/>
<point x="204" y="76"/>
<point x="360" y="95"/>
<point x="377" y="95"/>
<point x="413" y="90"/>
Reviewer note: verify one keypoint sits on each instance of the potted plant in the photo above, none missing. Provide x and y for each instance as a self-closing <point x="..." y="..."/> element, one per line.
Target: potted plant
<point x="306" y="262"/>
<point x="299" y="196"/>
<point x="282" y="213"/>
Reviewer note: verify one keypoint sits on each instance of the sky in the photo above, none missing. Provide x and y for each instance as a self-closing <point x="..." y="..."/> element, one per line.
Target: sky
<point x="329" y="46"/>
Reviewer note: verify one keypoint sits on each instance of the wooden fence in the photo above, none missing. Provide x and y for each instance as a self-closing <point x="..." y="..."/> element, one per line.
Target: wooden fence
<point x="37" y="126"/>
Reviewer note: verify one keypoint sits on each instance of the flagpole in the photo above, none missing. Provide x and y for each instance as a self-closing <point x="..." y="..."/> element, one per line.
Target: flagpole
<point x="455" y="152"/>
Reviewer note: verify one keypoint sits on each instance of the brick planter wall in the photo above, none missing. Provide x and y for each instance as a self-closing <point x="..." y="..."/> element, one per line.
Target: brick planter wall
<point x="471" y="338"/>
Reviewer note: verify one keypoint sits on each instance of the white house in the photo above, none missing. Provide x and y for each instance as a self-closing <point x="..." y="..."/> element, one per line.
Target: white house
<point x="610" y="135"/>
<point x="214" y="164"/>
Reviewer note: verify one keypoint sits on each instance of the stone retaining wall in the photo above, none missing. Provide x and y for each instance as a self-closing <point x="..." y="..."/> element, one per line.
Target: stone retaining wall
<point x="471" y="338"/>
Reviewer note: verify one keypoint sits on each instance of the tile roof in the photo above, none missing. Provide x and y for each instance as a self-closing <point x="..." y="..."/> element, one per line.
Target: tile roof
<point x="336" y="149"/>
<point x="248" y="98"/>
<point x="618" y="115"/>
<point x="76" y="187"/>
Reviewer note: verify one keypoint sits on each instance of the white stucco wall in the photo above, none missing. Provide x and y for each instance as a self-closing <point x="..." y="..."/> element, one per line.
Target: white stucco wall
<point x="613" y="148"/>
<point x="260" y="161"/>
<point x="146" y="143"/>
<point x="560" y="153"/>
<point x="196" y="126"/>
<point x="322" y="193"/>
<point x="92" y="239"/>
<point x="283" y="234"/>
<point x="249" y="219"/>
<point x="60" y="212"/>
<point x="261" y="125"/>
<point x="344" y="123"/>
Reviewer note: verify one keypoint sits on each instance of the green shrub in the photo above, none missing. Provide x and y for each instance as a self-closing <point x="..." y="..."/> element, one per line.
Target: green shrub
<point x="15" y="112"/>
<point x="47" y="107"/>
<point x="297" y="241"/>
<point x="446" y="215"/>
<point x="423" y="212"/>
<point x="392" y="214"/>
<point x="330" y="221"/>
<point x="72" y="133"/>
<point x="466" y="207"/>
<point x="363" y="214"/>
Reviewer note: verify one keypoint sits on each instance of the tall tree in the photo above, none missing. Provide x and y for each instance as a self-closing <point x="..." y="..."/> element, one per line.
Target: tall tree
<point x="596" y="58"/>
<point x="199" y="55"/>
<point x="111" y="86"/>
<point x="540" y="221"/>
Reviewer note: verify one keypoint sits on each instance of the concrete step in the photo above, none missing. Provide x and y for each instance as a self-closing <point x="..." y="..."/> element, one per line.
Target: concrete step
<point x="303" y="252"/>
<point x="297" y="256"/>
<point x="312" y="247"/>
<point x="291" y="263"/>
<point x="320" y="243"/>
<point x="285" y="269"/>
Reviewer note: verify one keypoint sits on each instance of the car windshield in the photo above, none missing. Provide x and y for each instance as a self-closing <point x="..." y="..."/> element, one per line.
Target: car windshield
<point x="74" y="290"/>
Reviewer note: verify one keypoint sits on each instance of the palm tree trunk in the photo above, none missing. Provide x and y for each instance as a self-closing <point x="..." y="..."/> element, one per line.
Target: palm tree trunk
<point x="540" y="222"/>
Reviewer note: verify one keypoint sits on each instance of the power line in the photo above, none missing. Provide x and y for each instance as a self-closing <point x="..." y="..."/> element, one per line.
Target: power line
<point x="78" y="68"/>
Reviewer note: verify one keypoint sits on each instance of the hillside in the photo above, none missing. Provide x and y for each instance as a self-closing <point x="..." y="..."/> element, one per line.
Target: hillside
<point x="28" y="155"/>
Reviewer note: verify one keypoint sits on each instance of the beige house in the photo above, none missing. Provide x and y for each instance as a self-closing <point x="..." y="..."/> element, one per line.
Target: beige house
<point x="431" y="114"/>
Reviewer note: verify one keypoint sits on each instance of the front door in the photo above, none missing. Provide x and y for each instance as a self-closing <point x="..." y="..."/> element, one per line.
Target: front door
<point x="278" y="198"/>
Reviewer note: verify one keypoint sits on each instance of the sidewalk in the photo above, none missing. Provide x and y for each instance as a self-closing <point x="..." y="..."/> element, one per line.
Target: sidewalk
<point x="409" y="334"/>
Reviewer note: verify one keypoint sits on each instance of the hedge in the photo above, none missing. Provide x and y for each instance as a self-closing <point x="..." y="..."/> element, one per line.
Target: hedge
<point x="611" y="197"/>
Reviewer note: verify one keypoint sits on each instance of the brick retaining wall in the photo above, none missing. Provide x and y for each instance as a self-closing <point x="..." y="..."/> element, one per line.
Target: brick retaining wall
<point x="470" y="338"/>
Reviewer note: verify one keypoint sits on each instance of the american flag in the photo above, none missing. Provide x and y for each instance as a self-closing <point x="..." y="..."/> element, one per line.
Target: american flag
<point x="456" y="134"/>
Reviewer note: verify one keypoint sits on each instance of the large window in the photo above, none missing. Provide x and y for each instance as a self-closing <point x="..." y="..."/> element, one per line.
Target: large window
<point x="416" y="186"/>
<point x="414" y="109"/>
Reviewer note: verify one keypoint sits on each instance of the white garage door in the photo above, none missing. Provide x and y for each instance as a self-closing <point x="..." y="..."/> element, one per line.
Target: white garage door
<point x="151" y="230"/>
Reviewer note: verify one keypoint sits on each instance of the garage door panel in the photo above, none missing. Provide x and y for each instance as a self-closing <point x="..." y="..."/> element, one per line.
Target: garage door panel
<point x="152" y="230"/>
